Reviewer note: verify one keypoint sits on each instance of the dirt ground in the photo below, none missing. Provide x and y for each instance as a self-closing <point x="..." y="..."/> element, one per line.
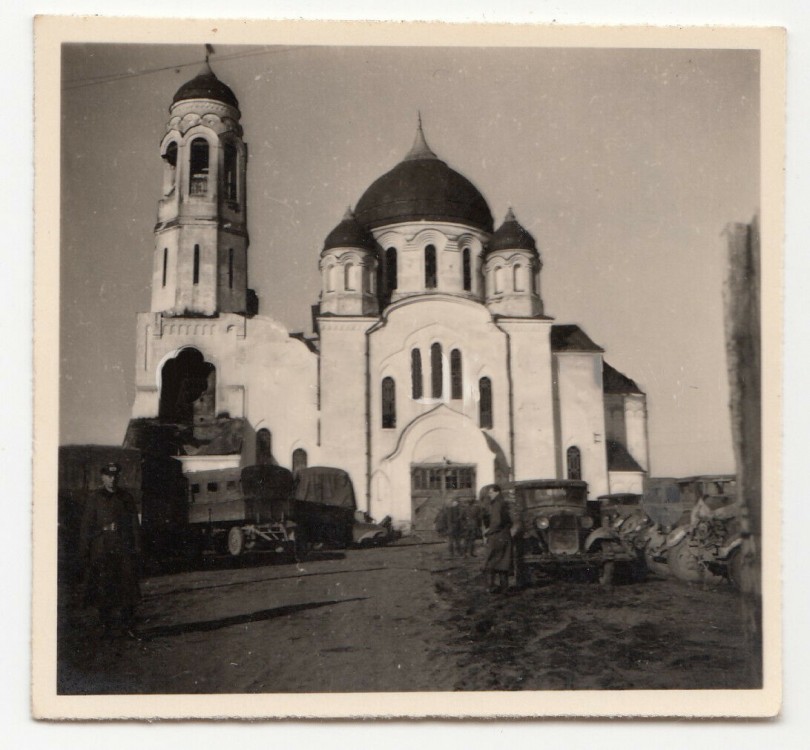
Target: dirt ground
<point x="403" y="618"/>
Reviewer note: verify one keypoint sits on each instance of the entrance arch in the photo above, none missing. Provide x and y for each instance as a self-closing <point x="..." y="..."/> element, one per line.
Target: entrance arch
<point x="188" y="387"/>
<point x="441" y="454"/>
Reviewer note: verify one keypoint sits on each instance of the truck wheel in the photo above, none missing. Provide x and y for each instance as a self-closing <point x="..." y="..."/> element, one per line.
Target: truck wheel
<point x="606" y="573"/>
<point x="684" y="563"/>
<point x="236" y="541"/>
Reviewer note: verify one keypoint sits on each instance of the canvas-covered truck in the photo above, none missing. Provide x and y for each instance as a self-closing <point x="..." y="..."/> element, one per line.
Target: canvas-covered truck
<point x="237" y="510"/>
<point x="324" y="507"/>
<point x="555" y="529"/>
<point x="266" y="507"/>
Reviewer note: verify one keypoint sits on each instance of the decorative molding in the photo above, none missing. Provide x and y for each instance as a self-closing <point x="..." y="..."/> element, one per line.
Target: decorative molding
<point x="354" y="323"/>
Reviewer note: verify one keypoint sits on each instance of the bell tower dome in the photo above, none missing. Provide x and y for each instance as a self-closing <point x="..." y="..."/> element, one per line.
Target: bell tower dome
<point x="201" y="239"/>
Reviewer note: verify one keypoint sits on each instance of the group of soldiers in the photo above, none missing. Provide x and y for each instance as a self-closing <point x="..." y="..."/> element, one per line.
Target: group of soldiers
<point x="489" y="517"/>
<point x="460" y="522"/>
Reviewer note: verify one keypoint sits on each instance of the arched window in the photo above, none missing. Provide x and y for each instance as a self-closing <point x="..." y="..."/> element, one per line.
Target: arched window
<point x="348" y="279"/>
<point x="436" y="370"/>
<point x="165" y="263"/>
<point x="299" y="459"/>
<point x="331" y="272"/>
<point x="416" y="374"/>
<point x="391" y="269"/>
<point x="430" y="267"/>
<point x="573" y="459"/>
<point x="198" y="167"/>
<point x="389" y="404"/>
<point x="517" y="281"/>
<point x="264" y="446"/>
<point x="230" y="268"/>
<point x="485" y="403"/>
<point x="455" y="374"/>
<point x="498" y="275"/>
<point x="170" y="168"/>
<point x="466" y="269"/>
<point x="196" y="265"/>
<point x="230" y="162"/>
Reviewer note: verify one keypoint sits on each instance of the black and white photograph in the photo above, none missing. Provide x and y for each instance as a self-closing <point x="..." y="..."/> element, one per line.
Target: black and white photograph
<point x="394" y="373"/>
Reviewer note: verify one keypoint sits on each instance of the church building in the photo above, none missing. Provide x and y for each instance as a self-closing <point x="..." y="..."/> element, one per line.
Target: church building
<point x="433" y="369"/>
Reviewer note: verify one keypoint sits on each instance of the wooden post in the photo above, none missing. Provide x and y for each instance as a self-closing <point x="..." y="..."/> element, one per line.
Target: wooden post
<point x="743" y="350"/>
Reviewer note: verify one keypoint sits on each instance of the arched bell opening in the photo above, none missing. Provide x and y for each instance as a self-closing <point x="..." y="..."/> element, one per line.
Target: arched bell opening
<point x="188" y="389"/>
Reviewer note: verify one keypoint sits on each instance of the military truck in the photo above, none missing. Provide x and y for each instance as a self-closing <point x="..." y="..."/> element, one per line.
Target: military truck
<point x="556" y="530"/>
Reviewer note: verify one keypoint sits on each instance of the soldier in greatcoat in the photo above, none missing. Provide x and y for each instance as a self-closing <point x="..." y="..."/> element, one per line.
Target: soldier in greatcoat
<point x="498" y="538"/>
<point x="110" y="548"/>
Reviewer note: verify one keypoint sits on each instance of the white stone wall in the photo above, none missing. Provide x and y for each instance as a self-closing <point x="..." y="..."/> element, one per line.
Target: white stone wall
<point x="262" y="374"/>
<point x="614" y="417"/>
<point x="454" y="323"/>
<point x="343" y="424"/>
<point x="530" y="372"/>
<point x="582" y="416"/>
<point x="635" y="420"/>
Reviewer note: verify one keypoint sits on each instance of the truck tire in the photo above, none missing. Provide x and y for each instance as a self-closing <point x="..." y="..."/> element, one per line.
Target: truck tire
<point x="687" y="566"/>
<point x="236" y="541"/>
<point x="684" y="563"/>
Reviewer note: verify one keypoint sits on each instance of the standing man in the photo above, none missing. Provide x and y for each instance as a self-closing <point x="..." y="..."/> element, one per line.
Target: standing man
<point x="454" y="527"/>
<point x="470" y="526"/>
<point x="110" y="546"/>
<point x="498" y="538"/>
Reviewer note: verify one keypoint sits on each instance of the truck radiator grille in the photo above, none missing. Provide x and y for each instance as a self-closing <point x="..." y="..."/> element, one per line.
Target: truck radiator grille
<point x="563" y="535"/>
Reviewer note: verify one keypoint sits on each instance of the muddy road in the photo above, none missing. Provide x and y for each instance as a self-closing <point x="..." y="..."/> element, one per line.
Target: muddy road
<point x="402" y="618"/>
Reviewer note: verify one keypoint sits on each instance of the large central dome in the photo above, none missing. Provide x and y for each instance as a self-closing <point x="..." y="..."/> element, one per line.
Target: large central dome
<point x="423" y="188"/>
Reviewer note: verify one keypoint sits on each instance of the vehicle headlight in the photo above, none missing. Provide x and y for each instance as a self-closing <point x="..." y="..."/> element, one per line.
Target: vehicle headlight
<point x="541" y="522"/>
<point x="586" y="522"/>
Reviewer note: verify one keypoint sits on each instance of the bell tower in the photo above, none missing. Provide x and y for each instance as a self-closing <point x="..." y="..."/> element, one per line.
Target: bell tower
<point x="201" y="239"/>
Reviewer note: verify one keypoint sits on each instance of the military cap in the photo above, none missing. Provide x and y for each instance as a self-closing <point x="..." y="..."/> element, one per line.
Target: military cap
<point x="111" y="469"/>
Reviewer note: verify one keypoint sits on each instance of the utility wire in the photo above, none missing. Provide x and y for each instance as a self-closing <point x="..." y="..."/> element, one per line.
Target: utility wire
<point x="80" y="83"/>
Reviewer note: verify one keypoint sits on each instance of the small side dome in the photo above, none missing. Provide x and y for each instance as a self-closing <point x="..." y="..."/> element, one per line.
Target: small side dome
<point x="512" y="236"/>
<point x="206" y="86"/>
<point x="349" y="233"/>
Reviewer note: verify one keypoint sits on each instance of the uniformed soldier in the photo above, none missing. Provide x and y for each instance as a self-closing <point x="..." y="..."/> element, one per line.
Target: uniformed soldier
<point x="110" y="549"/>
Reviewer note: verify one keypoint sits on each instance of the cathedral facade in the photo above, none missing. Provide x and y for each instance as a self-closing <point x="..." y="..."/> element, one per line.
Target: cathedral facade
<point x="433" y="369"/>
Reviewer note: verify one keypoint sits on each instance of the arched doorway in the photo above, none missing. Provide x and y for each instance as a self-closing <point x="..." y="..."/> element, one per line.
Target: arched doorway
<point x="188" y="389"/>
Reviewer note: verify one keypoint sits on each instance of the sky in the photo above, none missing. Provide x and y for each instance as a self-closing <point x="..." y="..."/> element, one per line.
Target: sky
<point x="626" y="165"/>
